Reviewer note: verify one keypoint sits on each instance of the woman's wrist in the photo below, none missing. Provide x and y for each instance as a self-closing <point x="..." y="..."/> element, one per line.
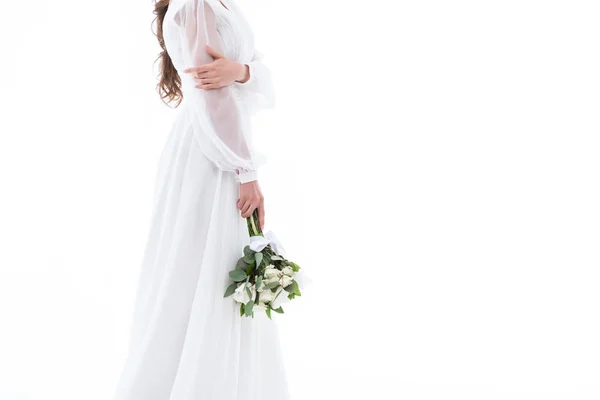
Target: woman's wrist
<point x="244" y="74"/>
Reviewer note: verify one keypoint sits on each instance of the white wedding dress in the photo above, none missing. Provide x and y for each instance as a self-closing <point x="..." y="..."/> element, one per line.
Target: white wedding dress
<point x="187" y="341"/>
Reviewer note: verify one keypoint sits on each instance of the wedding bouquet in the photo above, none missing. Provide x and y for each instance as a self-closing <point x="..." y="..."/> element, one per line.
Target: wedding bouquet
<point x="263" y="279"/>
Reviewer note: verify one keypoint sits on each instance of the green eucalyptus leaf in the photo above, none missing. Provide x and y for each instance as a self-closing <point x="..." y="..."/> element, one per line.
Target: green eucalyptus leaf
<point x="259" y="281"/>
<point x="241" y="264"/>
<point x="248" y="308"/>
<point x="237" y="275"/>
<point x="248" y="251"/>
<point x="249" y="259"/>
<point x="291" y="288"/>
<point x="258" y="257"/>
<point x="249" y="293"/>
<point x="230" y="289"/>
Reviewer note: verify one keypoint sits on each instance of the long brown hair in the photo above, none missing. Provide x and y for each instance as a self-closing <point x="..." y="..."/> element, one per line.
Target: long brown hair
<point x="169" y="84"/>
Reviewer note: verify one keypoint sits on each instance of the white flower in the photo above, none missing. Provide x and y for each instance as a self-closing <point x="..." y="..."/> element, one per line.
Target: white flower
<point x="261" y="287"/>
<point x="241" y="294"/>
<point x="286" y="281"/>
<point x="266" y="296"/>
<point x="288" y="271"/>
<point x="281" y="297"/>
<point x="274" y="279"/>
<point x="272" y="272"/>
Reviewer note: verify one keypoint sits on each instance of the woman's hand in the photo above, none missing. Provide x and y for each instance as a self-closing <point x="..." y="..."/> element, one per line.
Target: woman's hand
<point x="251" y="198"/>
<point x="219" y="73"/>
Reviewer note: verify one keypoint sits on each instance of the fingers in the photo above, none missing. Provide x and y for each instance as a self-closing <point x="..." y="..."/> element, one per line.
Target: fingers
<point x="210" y="73"/>
<point x="208" y="87"/>
<point x="241" y="204"/>
<point x="197" y="71"/>
<point x="248" y="209"/>
<point x="208" y="83"/>
<point x="244" y="204"/>
<point x="251" y="199"/>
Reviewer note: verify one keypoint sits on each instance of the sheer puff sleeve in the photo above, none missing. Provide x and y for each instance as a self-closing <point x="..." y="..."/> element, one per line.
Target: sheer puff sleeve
<point x="222" y="134"/>
<point x="258" y="91"/>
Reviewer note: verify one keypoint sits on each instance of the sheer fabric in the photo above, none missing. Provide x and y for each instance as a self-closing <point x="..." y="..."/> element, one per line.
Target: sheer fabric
<point x="220" y="118"/>
<point x="187" y="341"/>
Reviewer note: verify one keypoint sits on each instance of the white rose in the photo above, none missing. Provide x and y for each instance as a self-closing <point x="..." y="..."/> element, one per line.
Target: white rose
<point x="286" y="281"/>
<point x="281" y="297"/>
<point x="288" y="271"/>
<point x="274" y="279"/>
<point x="266" y="296"/>
<point x="272" y="272"/>
<point x="241" y="294"/>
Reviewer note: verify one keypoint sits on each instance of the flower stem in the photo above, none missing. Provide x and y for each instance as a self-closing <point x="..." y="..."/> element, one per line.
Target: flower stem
<point x="253" y="225"/>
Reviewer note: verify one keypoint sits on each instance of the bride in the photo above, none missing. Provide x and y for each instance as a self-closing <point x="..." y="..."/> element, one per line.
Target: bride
<point x="187" y="341"/>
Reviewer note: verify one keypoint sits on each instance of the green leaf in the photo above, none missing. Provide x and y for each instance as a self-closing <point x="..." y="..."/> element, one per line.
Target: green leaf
<point x="295" y="267"/>
<point x="249" y="258"/>
<point x="266" y="258"/>
<point x="230" y="289"/>
<point x="268" y="311"/>
<point x="258" y="281"/>
<point x="249" y="293"/>
<point x="248" y="308"/>
<point x="291" y="296"/>
<point x="258" y="257"/>
<point x="277" y="258"/>
<point x="241" y="310"/>
<point x="248" y="251"/>
<point x="278" y="310"/>
<point x="237" y="275"/>
<point x="241" y="264"/>
<point x="292" y="287"/>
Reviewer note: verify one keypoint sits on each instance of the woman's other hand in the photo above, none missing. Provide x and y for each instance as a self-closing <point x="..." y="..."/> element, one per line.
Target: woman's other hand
<point x="219" y="73"/>
<point x="251" y="198"/>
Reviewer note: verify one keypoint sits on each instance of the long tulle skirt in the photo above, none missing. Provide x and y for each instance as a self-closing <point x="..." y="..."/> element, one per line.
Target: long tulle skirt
<point x="187" y="341"/>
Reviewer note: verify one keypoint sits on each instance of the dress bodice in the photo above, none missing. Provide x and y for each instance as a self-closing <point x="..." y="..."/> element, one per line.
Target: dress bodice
<point x="236" y="39"/>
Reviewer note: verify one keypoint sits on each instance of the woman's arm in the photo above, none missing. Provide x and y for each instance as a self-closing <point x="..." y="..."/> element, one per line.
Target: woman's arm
<point x="219" y="73"/>
<point x="221" y="132"/>
<point x="253" y="79"/>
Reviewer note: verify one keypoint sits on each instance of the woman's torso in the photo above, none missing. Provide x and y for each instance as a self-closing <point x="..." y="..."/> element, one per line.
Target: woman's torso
<point x="235" y="34"/>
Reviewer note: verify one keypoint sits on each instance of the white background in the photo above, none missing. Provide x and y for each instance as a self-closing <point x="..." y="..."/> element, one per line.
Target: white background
<point x="433" y="164"/>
